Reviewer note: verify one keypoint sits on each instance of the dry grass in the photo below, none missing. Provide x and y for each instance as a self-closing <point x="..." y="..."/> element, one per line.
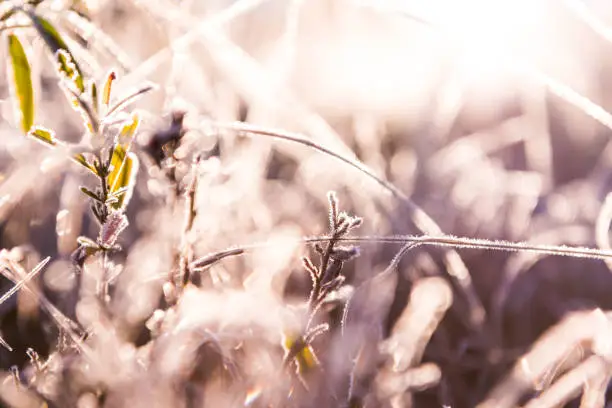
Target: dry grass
<point x="168" y="242"/>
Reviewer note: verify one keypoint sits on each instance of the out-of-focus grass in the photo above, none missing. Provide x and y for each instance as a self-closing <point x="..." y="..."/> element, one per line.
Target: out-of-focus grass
<point x="486" y="120"/>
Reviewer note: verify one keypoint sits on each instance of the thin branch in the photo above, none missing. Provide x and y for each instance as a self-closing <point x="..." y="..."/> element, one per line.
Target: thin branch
<point x="496" y="245"/>
<point x="5" y="27"/>
<point x="303" y="140"/>
<point x="131" y="97"/>
<point x="417" y="240"/>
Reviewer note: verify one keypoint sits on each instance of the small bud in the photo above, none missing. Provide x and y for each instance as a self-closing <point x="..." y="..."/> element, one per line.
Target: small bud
<point x="356" y="222"/>
<point x="344" y="253"/>
<point x="343" y="228"/>
<point x="112" y="228"/>
<point x="333" y="270"/>
<point x="334" y="284"/>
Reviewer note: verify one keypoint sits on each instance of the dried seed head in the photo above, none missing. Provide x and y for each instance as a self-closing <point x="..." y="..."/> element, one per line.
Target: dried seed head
<point x="115" y="223"/>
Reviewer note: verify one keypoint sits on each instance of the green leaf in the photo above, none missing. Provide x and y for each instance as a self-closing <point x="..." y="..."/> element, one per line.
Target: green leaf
<point x="128" y="131"/>
<point x="93" y="91"/>
<point x="46" y="136"/>
<point x="88" y="243"/>
<point x="90" y="193"/>
<point x="302" y="353"/>
<point x="56" y="43"/>
<point x="22" y="82"/>
<point x="106" y="93"/>
<point x="80" y="159"/>
<point x="122" y="176"/>
<point x="67" y="67"/>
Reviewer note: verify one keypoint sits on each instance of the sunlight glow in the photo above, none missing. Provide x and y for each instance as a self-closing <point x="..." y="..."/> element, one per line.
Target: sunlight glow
<point x="479" y="32"/>
<point x="482" y="31"/>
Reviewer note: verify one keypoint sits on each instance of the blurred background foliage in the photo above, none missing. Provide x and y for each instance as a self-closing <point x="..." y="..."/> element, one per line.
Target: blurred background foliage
<point x="490" y="116"/>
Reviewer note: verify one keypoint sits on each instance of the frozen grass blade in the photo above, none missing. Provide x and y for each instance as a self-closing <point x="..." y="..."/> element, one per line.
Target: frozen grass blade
<point x="256" y="84"/>
<point x="19" y="285"/>
<point x="4" y="344"/>
<point x="418" y="240"/>
<point x="209" y="260"/>
<point x="25" y="280"/>
<point x="496" y="245"/>
<point x="130" y="98"/>
<point x="16" y="274"/>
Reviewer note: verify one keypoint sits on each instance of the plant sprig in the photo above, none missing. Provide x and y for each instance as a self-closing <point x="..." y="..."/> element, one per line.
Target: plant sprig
<point x="326" y="278"/>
